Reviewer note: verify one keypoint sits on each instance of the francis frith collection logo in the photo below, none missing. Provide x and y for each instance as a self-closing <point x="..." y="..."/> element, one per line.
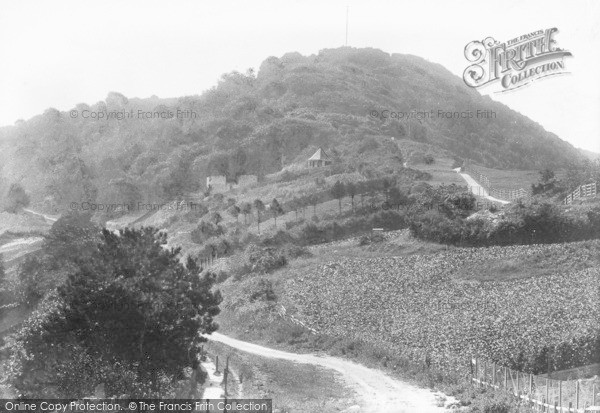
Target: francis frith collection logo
<point x="514" y="63"/>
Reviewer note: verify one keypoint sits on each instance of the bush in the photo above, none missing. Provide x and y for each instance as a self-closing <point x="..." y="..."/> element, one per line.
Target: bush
<point x="281" y="237"/>
<point x="264" y="291"/>
<point x="204" y="231"/>
<point x="265" y="259"/>
<point x="370" y="239"/>
<point x="293" y="251"/>
<point x="16" y="199"/>
<point x="222" y="276"/>
<point x="526" y="224"/>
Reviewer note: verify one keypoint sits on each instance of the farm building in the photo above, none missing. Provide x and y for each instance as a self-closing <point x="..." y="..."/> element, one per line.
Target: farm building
<point x="218" y="183"/>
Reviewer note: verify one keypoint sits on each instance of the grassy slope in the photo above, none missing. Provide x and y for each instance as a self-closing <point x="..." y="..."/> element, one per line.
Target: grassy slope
<point x="514" y="179"/>
<point x="441" y="172"/>
<point x="356" y="297"/>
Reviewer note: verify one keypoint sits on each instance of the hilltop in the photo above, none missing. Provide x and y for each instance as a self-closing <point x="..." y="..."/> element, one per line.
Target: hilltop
<point x="262" y="122"/>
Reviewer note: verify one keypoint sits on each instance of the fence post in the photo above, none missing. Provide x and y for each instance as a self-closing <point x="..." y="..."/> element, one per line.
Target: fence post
<point x="548" y="392"/>
<point x="217" y="364"/>
<point x="530" y="387"/>
<point x="505" y="377"/>
<point x="594" y="394"/>
<point x="484" y="374"/>
<point x="476" y="372"/>
<point x="560" y="394"/>
<point x="518" y="387"/>
<point x="226" y="374"/>
<point x="577" y="394"/>
<point x="494" y="374"/>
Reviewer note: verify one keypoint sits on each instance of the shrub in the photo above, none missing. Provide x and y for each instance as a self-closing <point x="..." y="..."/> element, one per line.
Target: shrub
<point x="293" y="251"/>
<point x="264" y="291"/>
<point x="265" y="259"/>
<point x="206" y="230"/>
<point x="369" y="239"/>
<point x="16" y="199"/>
<point x="281" y="237"/>
<point x="526" y="224"/>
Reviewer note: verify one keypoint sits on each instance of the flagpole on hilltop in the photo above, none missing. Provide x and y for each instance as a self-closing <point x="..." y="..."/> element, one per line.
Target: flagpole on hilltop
<point x="347" y="7"/>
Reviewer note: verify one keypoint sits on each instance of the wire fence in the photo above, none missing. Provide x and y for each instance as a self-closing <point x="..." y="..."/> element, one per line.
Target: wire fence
<point x="542" y="393"/>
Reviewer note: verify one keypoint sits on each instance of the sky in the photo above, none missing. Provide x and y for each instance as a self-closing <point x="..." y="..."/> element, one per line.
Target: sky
<point x="61" y="53"/>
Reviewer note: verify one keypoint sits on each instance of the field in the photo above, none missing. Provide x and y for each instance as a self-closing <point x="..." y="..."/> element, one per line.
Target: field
<point x="514" y="179"/>
<point x="441" y="172"/>
<point x="505" y="303"/>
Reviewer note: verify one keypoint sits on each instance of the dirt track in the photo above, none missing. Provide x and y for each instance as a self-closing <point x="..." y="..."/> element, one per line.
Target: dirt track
<point x="379" y="392"/>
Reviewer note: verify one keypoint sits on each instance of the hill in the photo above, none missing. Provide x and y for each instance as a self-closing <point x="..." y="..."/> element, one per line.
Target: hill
<point x="347" y="100"/>
<point x="589" y="154"/>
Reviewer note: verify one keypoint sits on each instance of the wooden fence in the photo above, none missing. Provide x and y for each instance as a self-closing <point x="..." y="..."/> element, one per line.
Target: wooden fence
<point x="509" y="194"/>
<point x="583" y="191"/>
<point x="485" y="182"/>
<point x="541" y="393"/>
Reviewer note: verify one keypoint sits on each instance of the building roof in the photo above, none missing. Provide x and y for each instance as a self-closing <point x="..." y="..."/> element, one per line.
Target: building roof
<point x="319" y="155"/>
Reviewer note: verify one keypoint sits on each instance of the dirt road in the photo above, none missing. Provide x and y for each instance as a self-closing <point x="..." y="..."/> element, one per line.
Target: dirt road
<point x="478" y="189"/>
<point x="48" y="218"/>
<point x="379" y="392"/>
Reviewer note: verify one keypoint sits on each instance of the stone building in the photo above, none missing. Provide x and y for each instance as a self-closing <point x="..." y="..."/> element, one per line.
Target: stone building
<point x="218" y="183"/>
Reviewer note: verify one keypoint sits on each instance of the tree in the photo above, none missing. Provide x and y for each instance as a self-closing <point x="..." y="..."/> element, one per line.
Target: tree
<point x="313" y="199"/>
<point x="71" y="241"/>
<point x="275" y="209"/>
<point x="246" y="209"/>
<point x="338" y="191"/>
<point x="16" y="198"/>
<point x="260" y="207"/>
<point x="234" y="211"/>
<point x="204" y="231"/>
<point x="132" y="305"/>
<point x="397" y="198"/>
<point x="351" y="190"/>
<point x="547" y="182"/>
<point x="73" y="237"/>
<point x="361" y="189"/>
<point x="385" y="185"/>
<point x="294" y="205"/>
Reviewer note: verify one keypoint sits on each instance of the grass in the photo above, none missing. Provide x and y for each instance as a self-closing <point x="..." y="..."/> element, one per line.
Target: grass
<point x="583" y="372"/>
<point x="544" y="262"/>
<point x="441" y="172"/>
<point x="514" y="179"/>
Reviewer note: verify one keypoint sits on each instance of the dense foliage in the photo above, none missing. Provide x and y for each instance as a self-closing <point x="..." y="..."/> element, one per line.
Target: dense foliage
<point x="532" y="223"/>
<point x="128" y="316"/>
<point x="257" y="123"/>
